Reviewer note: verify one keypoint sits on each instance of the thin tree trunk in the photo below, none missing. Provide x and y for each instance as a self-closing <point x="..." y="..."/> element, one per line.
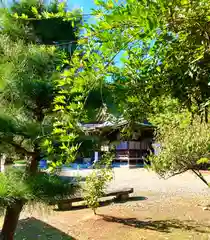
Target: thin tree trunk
<point x="201" y="116"/>
<point x="11" y="220"/>
<point x="94" y="211"/>
<point x="33" y="166"/>
<point x="200" y="176"/>
<point x="192" y="118"/>
<point x="206" y="115"/>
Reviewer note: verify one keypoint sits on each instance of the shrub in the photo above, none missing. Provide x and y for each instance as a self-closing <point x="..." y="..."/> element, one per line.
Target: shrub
<point x="97" y="181"/>
<point x="182" y="148"/>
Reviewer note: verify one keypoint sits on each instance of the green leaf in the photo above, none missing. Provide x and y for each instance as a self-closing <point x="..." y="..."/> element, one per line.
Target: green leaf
<point x="24" y="16"/>
<point x="158" y="69"/>
<point x="105" y="25"/>
<point x="203" y="160"/>
<point x="98" y="2"/>
<point x="54" y="164"/>
<point x="15" y="15"/>
<point x="184" y="2"/>
<point x="35" y="11"/>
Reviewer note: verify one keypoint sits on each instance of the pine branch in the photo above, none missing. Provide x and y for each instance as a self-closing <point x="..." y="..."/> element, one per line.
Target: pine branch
<point x="19" y="148"/>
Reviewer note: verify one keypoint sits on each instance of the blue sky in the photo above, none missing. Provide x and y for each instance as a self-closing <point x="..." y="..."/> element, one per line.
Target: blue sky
<point x="85" y="4"/>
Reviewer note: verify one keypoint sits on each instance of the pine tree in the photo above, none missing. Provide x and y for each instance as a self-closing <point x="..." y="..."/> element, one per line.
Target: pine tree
<point x="27" y="76"/>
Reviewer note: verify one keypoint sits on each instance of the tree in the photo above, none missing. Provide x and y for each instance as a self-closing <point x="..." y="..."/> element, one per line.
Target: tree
<point x="168" y="111"/>
<point x="28" y="73"/>
<point x="183" y="147"/>
<point x="18" y="189"/>
<point x="101" y="50"/>
<point x="36" y="22"/>
<point x="94" y="63"/>
<point x="186" y="60"/>
<point x="165" y="58"/>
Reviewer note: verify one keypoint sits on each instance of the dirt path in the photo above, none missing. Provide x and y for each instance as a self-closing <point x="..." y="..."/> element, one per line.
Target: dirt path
<point x="173" y="209"/>
<point x="173" y="218"/>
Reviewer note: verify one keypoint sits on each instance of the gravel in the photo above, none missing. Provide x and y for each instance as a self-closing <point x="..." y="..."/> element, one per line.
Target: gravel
<point x="143" y="180"/>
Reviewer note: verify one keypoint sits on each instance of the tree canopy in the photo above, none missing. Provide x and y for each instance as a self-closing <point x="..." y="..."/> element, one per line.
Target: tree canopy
<point x="164" y="71"/>
<point x="29" y="67"/>
<point x="33" y="27"/>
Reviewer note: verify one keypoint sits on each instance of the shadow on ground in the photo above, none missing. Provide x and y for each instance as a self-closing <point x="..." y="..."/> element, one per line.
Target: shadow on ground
<point x="84" y="206"/>
<point x="159" y="225"/>
<point x="105" y="203"/>
<point x="136" y="198"/>
<point x="32" y="228"/>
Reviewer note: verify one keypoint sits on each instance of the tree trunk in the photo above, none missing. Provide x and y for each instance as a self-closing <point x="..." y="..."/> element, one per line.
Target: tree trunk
<point x="33" y="166"/>
<point x="206" y="115"/>
<point x="192" y="118"/>
<point x="11" y="220"/>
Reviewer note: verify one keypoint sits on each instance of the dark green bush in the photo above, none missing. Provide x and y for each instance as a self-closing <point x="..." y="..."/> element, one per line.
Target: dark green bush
<point x="45" y="188"/>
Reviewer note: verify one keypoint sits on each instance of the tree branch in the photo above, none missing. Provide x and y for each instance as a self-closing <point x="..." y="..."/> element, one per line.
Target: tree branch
<point x="20" y="149"/>
<point x="198" y="174"/>
<point x="176" y="173"/>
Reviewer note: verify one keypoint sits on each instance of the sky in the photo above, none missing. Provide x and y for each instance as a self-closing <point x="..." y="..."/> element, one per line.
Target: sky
<point x="85" y="4"/>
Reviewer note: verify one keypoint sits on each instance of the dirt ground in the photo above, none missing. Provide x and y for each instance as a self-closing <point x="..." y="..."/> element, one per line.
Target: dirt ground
<point x="172" y="209"/>
<point x="149" y="218"/>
